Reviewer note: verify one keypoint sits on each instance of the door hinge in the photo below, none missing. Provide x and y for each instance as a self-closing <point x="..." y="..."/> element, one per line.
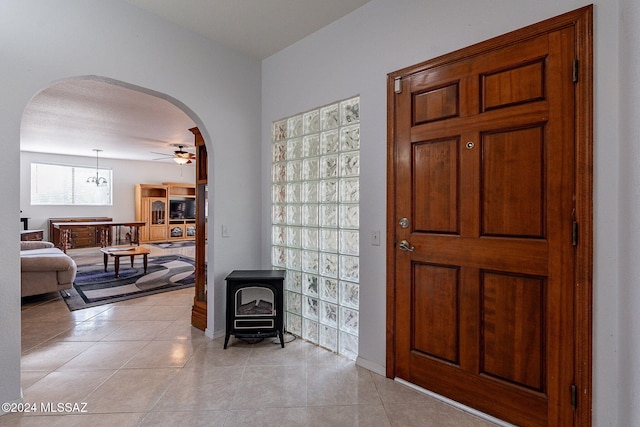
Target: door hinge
<point x="397" y="88"/>
<point x="574" y="396"/>
<point x="575" y="70"/>
<point x="574" y="232"/>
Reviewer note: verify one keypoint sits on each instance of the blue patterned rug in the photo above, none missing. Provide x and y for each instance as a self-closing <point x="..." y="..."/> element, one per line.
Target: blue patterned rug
<point x="93" y="286"/>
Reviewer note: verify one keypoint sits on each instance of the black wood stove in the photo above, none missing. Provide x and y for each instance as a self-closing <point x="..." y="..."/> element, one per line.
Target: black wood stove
<point x="255" y="304"/>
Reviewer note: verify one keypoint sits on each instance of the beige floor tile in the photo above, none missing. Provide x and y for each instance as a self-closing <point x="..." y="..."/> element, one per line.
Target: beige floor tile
<point x="139" y="330"/>
<point x="131" y="390"/>
<point x="268" y="417"/>
<point x="89" y="330"/>
<point x="212" y="354"/>
<point x="270" y="353"/>
<point x="196" y="389"/>
<point x="433" y="414"/>
<point x="73" y="420"/>
<point x="345" y="385"/>
<point x="350" y="415"/>
<point x="393" y="392"/>
<point x="51" y="355"/>
<point x="162" y="354"/>
<point x="191" y="419"/>
<point x="105" y="355"/>
<point x="271" y="386"/>
<point x="182" y="329"/>
<point x="66" y="386"/>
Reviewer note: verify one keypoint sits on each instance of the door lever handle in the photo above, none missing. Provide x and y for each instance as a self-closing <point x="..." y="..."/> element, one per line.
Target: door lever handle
<point x="406" y="246"/>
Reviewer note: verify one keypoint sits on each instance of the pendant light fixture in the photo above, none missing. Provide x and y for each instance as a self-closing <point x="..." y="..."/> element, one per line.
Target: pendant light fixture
<point x="98" y="180"/>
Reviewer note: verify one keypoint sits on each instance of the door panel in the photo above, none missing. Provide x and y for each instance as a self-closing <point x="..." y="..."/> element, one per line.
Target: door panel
<point x="483" y="152"/>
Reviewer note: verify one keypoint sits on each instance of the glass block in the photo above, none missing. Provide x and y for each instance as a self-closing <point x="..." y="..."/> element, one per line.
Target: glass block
<point x="310" y="263"/>
<point x="328" y="314"/>
<point x="328" y="289"/>
<point x="294" y="261"/>
<point x="350" y="294"/>
<point x="311" y="121"/>
<point x="329" y="142"/>
<point x="350" y="111"/>
<point x="310" y="284"/>
<point x="349" y="216"/>
<point x="350" y="268"/>
<point x="350" y="164"/>
<point x="328" y="216"/>
<point x="294" y="281"/>
<point x="329" y="265"/>
<point x="310" y="330"/>
<point x="310" y="192"/>
<point x="311" y="146"/>
<point x="294" y="324"/>
<point x="278" y="235"/>
<point x="329" y="240"/>
<point x="293" y="170"/>
<point x="310" y="168"/>
<point x="294" y="192"/>
<point x="279" y="172"/>
<point x="310" y="308"/>
<point x="294" y="126"/>
<point x="348" y="345"/>
<point x="349" y="242"/>
<point x="329" y="191"/>
<point x="279" y="193"/>
<point x="328" y="166"/>
<point x="329" y="337"/>
<point x="349" y="190"/>
<point x="294" y="149"/>
<point x="293" y="214"/>
<point x="294" y="302"/>
<point x="310" y="238"/>
<point x="279" y="256"/>
<point x="329" y="117"/>
<point x="279" y="152"/>
<point x="350" y="138"/>
<point x="293" y="237"/>
<point x="349" y="320"/>
<point x="310" y="215"/>
<point x="279" y="130"/>
<point x="279" y="215"/>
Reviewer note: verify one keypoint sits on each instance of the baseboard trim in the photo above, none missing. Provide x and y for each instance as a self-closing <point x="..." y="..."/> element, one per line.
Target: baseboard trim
<point x="372" y="366"/>
<point x="455" y="404"/>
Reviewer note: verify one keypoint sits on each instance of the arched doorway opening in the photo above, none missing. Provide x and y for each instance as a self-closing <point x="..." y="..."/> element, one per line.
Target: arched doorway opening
<point x="73" y="117"/>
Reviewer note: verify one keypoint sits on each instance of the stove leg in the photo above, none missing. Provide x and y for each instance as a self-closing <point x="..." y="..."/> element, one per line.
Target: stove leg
<point x="226" y="340"/>
<point x="281" y="338"/>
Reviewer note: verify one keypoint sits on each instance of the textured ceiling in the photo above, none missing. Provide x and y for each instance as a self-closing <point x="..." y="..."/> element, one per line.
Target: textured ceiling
<point x="76" y="116"/>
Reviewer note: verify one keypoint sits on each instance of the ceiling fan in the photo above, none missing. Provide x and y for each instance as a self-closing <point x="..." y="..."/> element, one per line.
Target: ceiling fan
<point x="179" y="156"/>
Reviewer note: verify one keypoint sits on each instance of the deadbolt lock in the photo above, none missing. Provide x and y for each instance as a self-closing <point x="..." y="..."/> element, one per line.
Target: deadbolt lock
<point x="404" y="223"/>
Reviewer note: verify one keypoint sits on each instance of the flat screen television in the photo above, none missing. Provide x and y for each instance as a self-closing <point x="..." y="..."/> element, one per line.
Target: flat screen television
<point x="182" y="208"/>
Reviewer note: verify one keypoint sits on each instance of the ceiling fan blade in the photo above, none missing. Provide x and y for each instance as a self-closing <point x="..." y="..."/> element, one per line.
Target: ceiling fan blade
<point x="162" y="154"/>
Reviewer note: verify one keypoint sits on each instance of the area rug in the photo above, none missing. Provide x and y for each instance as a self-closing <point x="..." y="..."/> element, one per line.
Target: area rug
<point x="173" y="245"/>
<point x="93" y="286"/>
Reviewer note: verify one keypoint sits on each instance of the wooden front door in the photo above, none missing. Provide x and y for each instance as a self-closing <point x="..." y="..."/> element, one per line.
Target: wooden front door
<point x="483" y="224"/>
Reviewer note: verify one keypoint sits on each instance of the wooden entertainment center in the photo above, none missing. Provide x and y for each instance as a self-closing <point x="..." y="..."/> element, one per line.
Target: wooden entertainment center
<point x="169" y="209"/>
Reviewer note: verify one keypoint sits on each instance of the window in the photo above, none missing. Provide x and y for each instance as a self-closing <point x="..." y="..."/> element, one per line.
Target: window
<point x="315" y="222"/>
<point x="67" y="185"/>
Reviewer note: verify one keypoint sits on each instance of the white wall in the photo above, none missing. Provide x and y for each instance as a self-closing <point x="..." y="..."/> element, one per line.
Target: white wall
<point x="126" y="174"/>
<point x="353" y="56"/>
<point x="44" y="41"/>
<point x="629" y="369"/>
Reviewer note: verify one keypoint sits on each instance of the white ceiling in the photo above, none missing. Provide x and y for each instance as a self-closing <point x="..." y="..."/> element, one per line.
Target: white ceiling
<point x="76" y="116"/>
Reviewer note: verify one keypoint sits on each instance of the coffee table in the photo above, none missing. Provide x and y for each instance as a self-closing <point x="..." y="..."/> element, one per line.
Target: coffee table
<point x="130" y="251"/>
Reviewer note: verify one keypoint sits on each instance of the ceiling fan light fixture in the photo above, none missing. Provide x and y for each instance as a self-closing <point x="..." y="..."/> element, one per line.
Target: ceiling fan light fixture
<point x="181" y="160"/>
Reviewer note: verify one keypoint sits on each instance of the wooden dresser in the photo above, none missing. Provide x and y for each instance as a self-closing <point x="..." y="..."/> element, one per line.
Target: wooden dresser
<point x="81" y="237"/>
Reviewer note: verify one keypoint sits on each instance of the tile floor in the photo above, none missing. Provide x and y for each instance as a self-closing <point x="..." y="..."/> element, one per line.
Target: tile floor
<point x="140" y="363"/>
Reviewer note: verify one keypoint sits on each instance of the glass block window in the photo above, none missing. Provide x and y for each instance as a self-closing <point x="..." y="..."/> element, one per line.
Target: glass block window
<point x="315" y="222"/>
